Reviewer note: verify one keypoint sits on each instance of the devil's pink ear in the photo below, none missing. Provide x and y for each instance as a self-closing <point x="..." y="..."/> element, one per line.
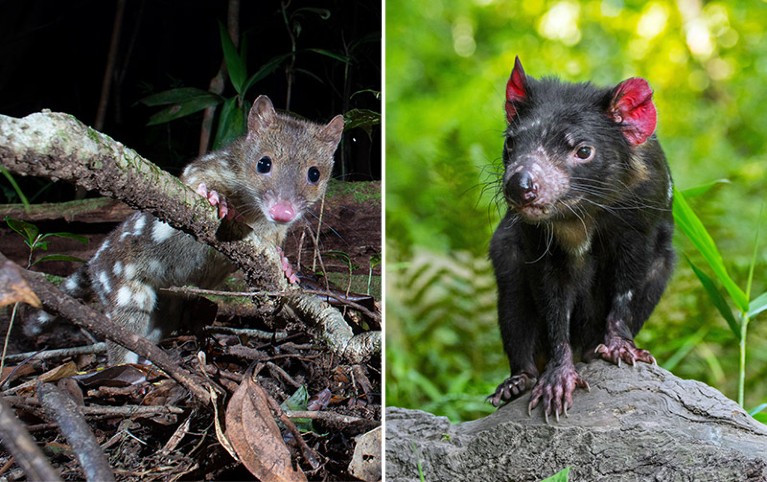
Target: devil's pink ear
<point x="516" y="89"/>
<point x="631" y="107"/>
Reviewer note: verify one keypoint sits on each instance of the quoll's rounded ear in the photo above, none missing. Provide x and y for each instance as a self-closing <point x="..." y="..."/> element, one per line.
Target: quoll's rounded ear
<point x="631" y="106"/>
<point x="261" y="115"/>
<point x="333" y="130"/>
<point x="516" y="89"/>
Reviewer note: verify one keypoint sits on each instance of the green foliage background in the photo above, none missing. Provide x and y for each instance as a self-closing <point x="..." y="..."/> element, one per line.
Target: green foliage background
<point x="447" y="62"/>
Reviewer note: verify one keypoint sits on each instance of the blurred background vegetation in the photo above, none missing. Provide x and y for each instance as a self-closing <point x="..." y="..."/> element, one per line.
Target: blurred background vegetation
<point x="447" y="62"/>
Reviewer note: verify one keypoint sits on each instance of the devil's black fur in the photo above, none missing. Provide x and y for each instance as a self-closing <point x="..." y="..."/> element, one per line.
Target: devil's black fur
<point x="584" y="252"/>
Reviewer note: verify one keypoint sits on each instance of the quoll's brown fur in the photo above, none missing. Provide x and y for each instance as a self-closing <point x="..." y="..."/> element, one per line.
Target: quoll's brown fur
<point x="265" y="180"/>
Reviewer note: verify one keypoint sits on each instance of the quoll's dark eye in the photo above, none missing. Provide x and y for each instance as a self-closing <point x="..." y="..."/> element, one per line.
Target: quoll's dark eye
<point x="264" y="165"/>
<point x="313" y="175"/>
<point x="584" y="152"/>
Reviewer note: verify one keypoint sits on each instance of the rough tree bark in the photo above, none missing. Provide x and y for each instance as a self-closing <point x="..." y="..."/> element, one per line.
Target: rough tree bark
<point x="58" y="146"/>
<point x="635" y="424"/>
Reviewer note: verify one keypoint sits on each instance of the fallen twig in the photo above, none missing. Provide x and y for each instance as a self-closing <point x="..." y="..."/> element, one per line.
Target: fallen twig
<point x="61" y="408"/>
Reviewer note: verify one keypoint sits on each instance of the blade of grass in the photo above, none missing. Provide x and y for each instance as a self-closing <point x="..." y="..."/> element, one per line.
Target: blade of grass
<point x="689" y="223"/>
<point x="757" y="305"/>
<point x="15" y="186"/>
<point x="717" y="299"/>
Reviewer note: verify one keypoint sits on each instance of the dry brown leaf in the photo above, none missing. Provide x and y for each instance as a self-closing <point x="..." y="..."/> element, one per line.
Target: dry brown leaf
<point x="68" y="369"/>
<point x="13" y="288"/>
<point x="255" y="436"/>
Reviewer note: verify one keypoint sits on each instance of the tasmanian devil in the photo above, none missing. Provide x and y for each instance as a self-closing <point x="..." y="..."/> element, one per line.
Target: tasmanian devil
<point x="584" y="252"/>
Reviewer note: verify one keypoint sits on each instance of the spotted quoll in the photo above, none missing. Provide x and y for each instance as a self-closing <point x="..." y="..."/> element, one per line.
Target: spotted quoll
<point x="266" y="180"/>
<point x="584" y="252"/>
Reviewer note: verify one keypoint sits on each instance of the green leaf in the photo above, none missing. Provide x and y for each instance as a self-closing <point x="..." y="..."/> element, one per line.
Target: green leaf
<point x="327" y="53"/>
<point x="26" y="230"/>
<point x="757" y="305"/>
<point x="717" y="298"/>
<point x="231" y="124"/>
<point x="77" y="237"/>
<point x="323" y="13"/>
<point x="689" y="223"/>
<point x="58" y="257"/>
<point x="15" y="186"/>
<point x="298" y="402"/>
<point x="265" y="70"/>
<point x="235" y="64"/>
<point x="184" y="108"/>
<point x="176" y="96"/>
<point x="561" y="476"/>
<point x="362" y="118"/>
<point x="703" y="188"/>
<point x="757" y="409"/>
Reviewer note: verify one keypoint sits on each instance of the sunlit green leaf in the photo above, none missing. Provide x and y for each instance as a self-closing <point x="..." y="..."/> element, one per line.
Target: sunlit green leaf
<point x="703" y="188"/>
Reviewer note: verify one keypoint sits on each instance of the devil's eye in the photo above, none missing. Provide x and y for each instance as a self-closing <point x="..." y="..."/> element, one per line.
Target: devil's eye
<point x="584" y="153"/>
<point x="313" y="175"/>
<point x="264" y="165"/>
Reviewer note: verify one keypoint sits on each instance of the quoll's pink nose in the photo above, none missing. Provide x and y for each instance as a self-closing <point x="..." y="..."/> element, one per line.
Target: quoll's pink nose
<point x="282" y="212"/>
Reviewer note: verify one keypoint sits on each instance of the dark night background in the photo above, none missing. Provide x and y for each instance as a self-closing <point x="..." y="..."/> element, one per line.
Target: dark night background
<point x="53" y="56"/>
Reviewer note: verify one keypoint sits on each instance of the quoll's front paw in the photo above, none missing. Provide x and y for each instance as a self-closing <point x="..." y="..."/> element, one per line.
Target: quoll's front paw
<point x="290" y="273"/>
<point x="511" y="388"/>
<point x="555" y="388"/>
<point x="617" y="349"/>
<point x="215" y="199"/>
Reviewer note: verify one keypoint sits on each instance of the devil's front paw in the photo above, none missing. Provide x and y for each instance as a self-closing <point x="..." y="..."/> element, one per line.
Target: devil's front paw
<point x="511" y="388"/>
<point x="617" y="349"/>
<point x="555" y="389"/>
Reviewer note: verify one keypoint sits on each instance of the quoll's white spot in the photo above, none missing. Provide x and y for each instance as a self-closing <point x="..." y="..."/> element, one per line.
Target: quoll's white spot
<point x="130" y="271"/>
<point x="139" y="295"/>
<point x="138" y="227"/>
<point x="161" y="231"/>
<point x="72" y="283"/>
<point x="117" y="269"/>
<point x="104" y="245"/>
<point x="154" y="335"/>
<point x="155" y="267"/>
<point x="124" y="296"/>
<point x="131" y="357"/>
<point x="103" y="278"/>
<point x="146" y="298"/>
<point x="44" y="317"/>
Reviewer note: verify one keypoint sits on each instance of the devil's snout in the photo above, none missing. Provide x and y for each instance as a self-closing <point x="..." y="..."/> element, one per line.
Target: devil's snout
<point x="521" y="188"/>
